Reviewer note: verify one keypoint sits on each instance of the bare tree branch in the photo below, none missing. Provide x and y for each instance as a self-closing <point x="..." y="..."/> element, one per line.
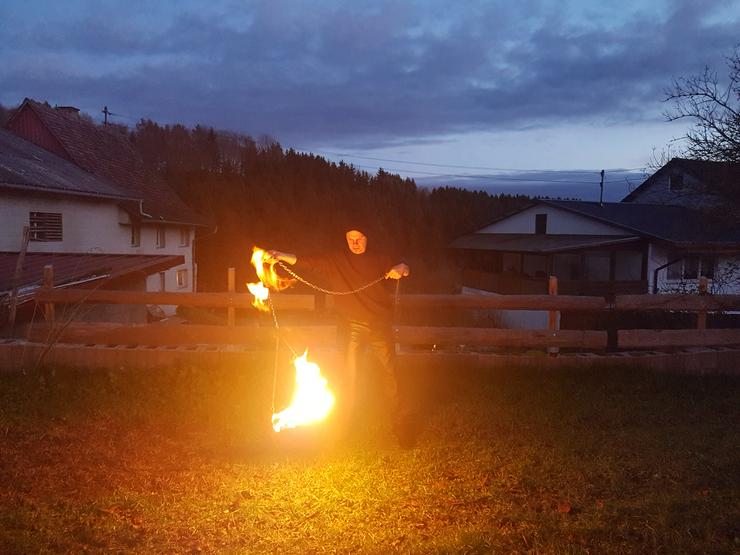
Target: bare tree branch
<point x="715" y="109"/>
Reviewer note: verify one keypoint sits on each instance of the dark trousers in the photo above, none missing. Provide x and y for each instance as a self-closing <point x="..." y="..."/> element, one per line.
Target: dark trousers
<point x="359" y="338"/>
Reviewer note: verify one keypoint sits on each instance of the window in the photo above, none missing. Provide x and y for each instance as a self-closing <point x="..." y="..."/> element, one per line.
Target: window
<point x="628" y="266"/>
<point x="540" y="224"/>
<point x="162" y="281"/>
<point x="161" y="234"/>
<point x="184" y="236"/>
<point x="511" y="262"/>
<point x="135" y="235"/>
<point x="182" y="279"/>
<point x="567" y="267"/>
<point x="597" y="265"/>
<point x="675" y="181"/>
<point x="45" y="226"/>
<point x="675" y="270"/>
<point x="691" y="267"/>
<point x="707" y="266"/>
<point x="534" y="265"/>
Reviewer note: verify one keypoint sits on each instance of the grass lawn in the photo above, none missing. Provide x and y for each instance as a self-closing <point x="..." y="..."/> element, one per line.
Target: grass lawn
<point x="184" y="460"/>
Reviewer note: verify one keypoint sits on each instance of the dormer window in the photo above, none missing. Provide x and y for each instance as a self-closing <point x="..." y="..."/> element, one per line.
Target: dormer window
<point x="675" y="181"/>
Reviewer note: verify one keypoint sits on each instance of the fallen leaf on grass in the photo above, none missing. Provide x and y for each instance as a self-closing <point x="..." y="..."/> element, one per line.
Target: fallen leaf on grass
<point x="564" y="507"/>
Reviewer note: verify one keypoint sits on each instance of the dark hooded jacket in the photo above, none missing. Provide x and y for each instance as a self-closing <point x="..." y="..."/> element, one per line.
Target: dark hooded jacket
<point x="342" y="270"/>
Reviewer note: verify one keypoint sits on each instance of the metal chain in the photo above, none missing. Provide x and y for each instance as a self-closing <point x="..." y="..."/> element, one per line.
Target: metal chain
<point x="278" y="336"/>
<point x="328" y="291"/>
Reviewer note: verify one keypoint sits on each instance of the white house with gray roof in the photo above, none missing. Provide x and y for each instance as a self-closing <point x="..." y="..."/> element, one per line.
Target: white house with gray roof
<point x="608" y="248"/>
<point x="90" y="227"/>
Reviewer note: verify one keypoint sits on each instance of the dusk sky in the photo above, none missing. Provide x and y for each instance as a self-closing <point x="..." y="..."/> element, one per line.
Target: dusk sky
<point x="513" y="93"/>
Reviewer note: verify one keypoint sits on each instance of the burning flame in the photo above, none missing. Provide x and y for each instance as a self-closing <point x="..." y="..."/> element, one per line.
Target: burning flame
<point x="264" y="266"/>
<point x="312" y="399"/>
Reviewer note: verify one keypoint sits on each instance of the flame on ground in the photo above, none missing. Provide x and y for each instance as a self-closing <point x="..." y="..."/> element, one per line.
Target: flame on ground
<point x="312" y="399"/>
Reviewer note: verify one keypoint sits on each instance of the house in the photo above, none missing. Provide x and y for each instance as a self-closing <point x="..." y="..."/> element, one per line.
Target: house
<point x="656" y="240"/>
<point x="91" y="208"/>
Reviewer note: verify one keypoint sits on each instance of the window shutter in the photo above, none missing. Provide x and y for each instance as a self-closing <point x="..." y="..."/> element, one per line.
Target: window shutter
<point x="45" y="226"/>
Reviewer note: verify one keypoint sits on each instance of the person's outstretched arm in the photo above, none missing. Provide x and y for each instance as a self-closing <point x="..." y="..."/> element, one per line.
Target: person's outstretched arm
<point x="288" y="257"/>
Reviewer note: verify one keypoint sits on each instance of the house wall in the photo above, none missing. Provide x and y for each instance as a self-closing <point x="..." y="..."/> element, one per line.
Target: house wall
<point x="558" y="222"/>
<point x="91" y="226"/>
<point x="726" y="277"/>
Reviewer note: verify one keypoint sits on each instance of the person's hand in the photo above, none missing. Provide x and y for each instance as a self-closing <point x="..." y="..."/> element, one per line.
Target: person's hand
<point x="274" y="256"/>
<point x="398" y="271"/>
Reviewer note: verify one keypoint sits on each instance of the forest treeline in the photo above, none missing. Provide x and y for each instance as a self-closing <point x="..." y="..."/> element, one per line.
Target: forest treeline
<point x="254" y="192"/>
<point x="257" y="193"/>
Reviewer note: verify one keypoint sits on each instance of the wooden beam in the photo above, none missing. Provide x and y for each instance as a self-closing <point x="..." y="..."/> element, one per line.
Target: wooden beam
<point x="677" y="302"/>
<point x="48" y="286"/>
<point x="298" y="337"/>
<point x="212" y="300"/>
<point x="231" y="288"/>
<point x="552" y="315"/>
<point x="634" y="339"/>
<point x="498" y="337"/>
<point x="505" y="302"/>
<point x="17" y="275"/>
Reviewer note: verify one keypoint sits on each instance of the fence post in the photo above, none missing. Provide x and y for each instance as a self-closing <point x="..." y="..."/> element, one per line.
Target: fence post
<point x="231" y="287"/>
<point x="17" y="276"/>
<point x="48" y="284"/>
<point x="552" y="315"/>
<point x="701" y="316"/>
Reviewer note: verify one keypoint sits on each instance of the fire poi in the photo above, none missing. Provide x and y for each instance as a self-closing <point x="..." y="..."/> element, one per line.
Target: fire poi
<point x="312" y="399"/>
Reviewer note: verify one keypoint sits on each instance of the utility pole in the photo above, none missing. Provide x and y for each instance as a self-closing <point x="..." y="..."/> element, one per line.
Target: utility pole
<point x="601" y="186"/>
<point x="107" y="113"/>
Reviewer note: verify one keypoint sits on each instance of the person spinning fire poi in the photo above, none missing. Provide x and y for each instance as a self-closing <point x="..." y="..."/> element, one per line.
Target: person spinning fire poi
<point x="365" y="315"/>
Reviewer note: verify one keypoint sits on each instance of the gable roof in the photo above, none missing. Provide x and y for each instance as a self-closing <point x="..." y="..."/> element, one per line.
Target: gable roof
<point x="538" y="243"/>
<point x="25" y="166"/>
<point x="721" y="175"/>
<point x="109" y="154"/>
<point x="678" y="225"/>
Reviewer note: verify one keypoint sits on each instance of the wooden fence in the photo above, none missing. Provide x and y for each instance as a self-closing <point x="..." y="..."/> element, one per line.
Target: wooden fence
<point x="409" y="337"/>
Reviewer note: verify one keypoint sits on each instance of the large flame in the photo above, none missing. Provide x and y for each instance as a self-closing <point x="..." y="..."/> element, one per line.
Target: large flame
<point x="264" y="266"/>
<point x="312" y="399"/>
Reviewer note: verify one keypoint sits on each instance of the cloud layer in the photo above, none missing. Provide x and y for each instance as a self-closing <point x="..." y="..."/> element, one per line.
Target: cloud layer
<point x="363" y="74"/>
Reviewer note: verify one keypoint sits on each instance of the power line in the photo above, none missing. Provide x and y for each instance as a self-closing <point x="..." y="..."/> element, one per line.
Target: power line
<point x="436" y="165"/>
<point x="494" y="177"/>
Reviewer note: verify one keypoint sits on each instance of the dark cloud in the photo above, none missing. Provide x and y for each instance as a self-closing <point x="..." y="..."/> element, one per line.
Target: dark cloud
<point x="369" y="73"/>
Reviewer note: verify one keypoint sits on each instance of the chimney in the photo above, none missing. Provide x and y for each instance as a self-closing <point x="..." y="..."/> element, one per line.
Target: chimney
<point x="69" y="110"/>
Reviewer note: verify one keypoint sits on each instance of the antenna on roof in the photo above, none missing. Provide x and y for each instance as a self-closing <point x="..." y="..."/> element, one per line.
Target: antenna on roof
<point x="601" y="186"/>
<point x="107" y="113"/>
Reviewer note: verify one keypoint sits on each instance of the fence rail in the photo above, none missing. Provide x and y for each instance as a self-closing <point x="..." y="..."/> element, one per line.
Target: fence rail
<point x="414" y="336"/>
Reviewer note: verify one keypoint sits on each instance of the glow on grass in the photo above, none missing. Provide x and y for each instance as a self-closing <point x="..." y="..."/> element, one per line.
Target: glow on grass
<point x="312" y="400"/>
